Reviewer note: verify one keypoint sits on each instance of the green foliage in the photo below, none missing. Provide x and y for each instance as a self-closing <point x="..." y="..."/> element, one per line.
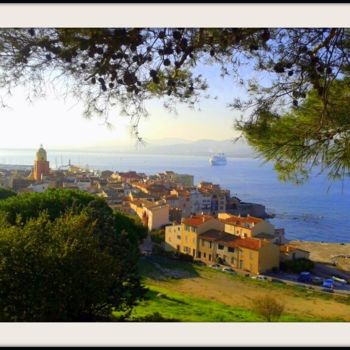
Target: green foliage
<point x="55" y="201"/>
<point x="297" y="265"/>
<point x="67" y="258"/>
<point x="4" y="193"/>
<point x="313" y="135"/>
<point x="158" y="236"/>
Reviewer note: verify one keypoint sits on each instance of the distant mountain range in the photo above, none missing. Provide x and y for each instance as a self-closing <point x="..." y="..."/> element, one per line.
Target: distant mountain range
<point x="182" y="147"/>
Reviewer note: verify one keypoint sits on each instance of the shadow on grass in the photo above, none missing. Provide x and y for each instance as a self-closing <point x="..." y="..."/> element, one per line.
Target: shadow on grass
<point x="161" y="267"/>
<point x="151" y="295"/>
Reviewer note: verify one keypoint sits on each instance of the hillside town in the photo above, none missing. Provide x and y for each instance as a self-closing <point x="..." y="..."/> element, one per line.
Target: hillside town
<point x="203" y="221"/>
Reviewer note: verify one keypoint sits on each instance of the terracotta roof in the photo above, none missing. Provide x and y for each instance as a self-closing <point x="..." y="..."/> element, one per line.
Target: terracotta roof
<point x="197" y="220"/>
<point x="232" y="241"/>
<point x="249" y="243"/>
<point x="213" y="235"/>
<point x="240" y="220"/>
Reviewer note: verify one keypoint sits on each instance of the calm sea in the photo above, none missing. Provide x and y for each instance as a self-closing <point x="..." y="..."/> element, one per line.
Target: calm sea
<point x="316" y="211"/>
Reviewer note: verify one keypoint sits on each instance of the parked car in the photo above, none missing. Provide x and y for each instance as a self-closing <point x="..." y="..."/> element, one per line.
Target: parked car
<point x="215" y="266"/>
<point x="229" y="270"/>
<point x="305" y="277"/>
<point x="328" y="285"/>
<point x="317" y="280"/>
<point x="340" y="280"/>
<point x="200" y="263"/>
<point x="260" y="278"/>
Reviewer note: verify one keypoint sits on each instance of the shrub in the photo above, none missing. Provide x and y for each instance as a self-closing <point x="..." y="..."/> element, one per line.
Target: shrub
<point x="268" y="307"/>
<point x="297" y="265"/>
<point x="158" y="236"/>
<point x="68" y="258"/>
<point x="4" y="193"/>
<point x="184" y="257"/>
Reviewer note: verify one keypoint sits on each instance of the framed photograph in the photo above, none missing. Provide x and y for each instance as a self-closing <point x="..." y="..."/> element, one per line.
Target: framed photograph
<point x="174" y="174"/>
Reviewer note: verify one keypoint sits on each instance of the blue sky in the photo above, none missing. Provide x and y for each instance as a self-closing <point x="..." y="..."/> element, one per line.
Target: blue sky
<point x="57" y="123"/>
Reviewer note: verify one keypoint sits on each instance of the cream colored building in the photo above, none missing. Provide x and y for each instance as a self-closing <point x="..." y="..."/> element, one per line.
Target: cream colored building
<point x="154" y="215"/>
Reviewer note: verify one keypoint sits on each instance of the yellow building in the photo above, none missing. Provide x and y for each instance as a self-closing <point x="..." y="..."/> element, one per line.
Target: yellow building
<point x="248" y="226"/>
<point x="290" y="252"/>
<point x="205" y="238"/>
<point x="248" y="254"/>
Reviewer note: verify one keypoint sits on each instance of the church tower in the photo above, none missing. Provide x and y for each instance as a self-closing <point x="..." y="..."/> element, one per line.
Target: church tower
<point x="41" y="165"/>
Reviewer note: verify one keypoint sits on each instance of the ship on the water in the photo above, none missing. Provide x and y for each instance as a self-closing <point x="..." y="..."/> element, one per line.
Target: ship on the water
<point x="218" y="159"/>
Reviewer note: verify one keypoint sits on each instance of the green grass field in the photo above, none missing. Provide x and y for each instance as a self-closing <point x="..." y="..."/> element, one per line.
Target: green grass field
<point x="184" y="292"/>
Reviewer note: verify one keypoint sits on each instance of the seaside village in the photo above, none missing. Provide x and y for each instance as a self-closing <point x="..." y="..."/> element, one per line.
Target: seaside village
<point x="203" y="221"/>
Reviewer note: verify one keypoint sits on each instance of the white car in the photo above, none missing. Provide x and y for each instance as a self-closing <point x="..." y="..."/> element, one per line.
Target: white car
<point x="229" y="270"/>
<point x="259" y="278"/>
<point x="339" y="280"/>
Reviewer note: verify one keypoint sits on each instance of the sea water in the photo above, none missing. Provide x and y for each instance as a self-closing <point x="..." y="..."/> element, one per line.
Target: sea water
<point x="316" y="211"/>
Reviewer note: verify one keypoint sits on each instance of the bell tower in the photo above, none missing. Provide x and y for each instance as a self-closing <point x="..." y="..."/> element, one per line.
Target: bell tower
<point x="41" y="165"/>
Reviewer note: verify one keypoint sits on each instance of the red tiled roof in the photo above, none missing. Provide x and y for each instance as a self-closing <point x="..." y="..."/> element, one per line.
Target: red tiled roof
<point x="249" y="243"/>
<point x="240" y="220"/>
<point x="231" y="240"/>
<point x="197" y="220"/>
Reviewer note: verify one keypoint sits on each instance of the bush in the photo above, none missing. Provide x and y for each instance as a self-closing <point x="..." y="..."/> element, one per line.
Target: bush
<point x="68" y="258"/>
<point x="297" y="265"/>
<point x="268" y="307"/>
<point x="4" y="193"/>
<point x="184" y="257"/>
<point x="158" y="236"/>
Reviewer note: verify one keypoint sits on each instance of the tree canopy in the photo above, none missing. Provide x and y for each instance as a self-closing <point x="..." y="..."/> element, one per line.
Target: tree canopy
<point x="293" y="69"/>
<point x="5" y="193"/>
<point x="76" y="264"/>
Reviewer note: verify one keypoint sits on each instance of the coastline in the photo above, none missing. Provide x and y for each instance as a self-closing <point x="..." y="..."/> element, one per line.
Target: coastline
<point x="324" y="252"/>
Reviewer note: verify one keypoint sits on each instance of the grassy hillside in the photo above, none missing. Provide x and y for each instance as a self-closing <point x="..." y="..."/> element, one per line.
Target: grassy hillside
<point x="185" y="292"/>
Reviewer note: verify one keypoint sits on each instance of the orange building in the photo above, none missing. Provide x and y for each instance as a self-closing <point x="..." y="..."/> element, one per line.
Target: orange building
<point x="41" y="165"/>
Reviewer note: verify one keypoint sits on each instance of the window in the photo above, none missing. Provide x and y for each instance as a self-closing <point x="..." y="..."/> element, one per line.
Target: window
<point x="220" y="246"/>
<point x="193" y="229"/>
<point x="241" y="264"/>
<point x="178" y="237"/>
<point x="198" y="254"/>
<point x="179" y="228"/>
<point x="203" y="243"/>
<point x="231" y="250"/>
<point x="209" y="257"/>
<point x="209" y="244"/>
<point x="233" y="260"/>
<point x="204" y="255"/>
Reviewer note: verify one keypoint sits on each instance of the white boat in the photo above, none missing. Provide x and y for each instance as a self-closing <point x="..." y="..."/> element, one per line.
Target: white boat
<point x="218" y="159"/>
